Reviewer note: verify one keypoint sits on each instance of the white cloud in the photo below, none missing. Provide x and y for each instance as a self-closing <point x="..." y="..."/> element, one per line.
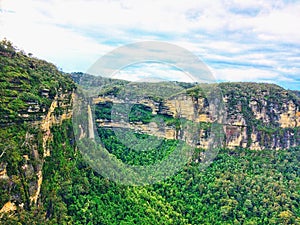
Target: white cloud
<point x="273" y="22"/>
<point x="152" y="71"/>
<point x="74" y="33"/>
<point x="244" y="74"/>
<point x="29" y="30"/>
<point x="282" y="24"/>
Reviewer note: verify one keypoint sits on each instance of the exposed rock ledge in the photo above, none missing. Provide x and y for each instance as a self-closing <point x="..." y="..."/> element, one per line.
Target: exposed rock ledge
<point x="237" y="132"/>
<point x="45" y="125"/>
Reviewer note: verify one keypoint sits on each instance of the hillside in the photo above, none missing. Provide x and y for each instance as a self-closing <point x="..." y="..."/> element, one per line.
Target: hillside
<point x="45" y="179"/>
<point x="254" y="115"/>
<point x="34" y="97"/>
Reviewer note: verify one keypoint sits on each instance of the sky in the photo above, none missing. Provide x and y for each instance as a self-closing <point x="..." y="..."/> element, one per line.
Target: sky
<point x="246" y="40"/>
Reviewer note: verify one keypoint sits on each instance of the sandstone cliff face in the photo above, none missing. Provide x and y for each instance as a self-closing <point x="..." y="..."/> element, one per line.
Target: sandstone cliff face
<point x="265" y="118"/>
<point x="37" y="143"/>
<point x="63" y="102"/>
<point x="255" y="117"/>
<point x="35" y="95"/>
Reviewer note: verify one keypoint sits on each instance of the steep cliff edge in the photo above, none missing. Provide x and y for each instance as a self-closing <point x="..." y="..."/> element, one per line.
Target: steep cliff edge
<point x="44" y="180"/>
<point x="34" y="97"/>
<point x="256" y="116"/>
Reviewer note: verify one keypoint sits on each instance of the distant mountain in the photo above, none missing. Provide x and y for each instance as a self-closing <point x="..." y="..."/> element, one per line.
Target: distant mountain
<point x="296" y="93"/>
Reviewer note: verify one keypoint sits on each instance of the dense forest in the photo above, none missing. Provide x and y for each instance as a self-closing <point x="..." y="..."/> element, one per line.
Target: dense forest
<point x="241" y="186"/>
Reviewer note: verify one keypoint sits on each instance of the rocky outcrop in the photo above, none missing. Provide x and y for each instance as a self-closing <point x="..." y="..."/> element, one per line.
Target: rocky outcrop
<point x="255" y="122"/>
<point x="63" y="102"/>
<point x="291" y="116"/>
<point x="35" y="95"/>
<point x="3" y="171"/>
<point x="59" y="110"/>
<point x="8" y="207"/>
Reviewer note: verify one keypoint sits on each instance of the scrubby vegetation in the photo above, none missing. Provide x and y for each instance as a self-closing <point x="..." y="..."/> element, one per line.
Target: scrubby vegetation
<point x="27" y="85"/>
<point x="240" y="186"/>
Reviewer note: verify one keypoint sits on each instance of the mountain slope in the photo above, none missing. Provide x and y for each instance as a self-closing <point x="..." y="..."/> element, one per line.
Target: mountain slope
<point x="34" y="95"/>
<point x="256" y="116"/>
<point x="44" y="179"/>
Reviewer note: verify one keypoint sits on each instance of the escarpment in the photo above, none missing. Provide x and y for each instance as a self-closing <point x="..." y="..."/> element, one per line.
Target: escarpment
<point x="256" y="116"/>
<point x="34" y="97"/>
<point x="22" y="177"/>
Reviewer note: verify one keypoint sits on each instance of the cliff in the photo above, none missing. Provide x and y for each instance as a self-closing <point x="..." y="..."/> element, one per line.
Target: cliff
<point x="256" y="116"/>
<point x="34" y="97"/>
<point x="44" y="180"/>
